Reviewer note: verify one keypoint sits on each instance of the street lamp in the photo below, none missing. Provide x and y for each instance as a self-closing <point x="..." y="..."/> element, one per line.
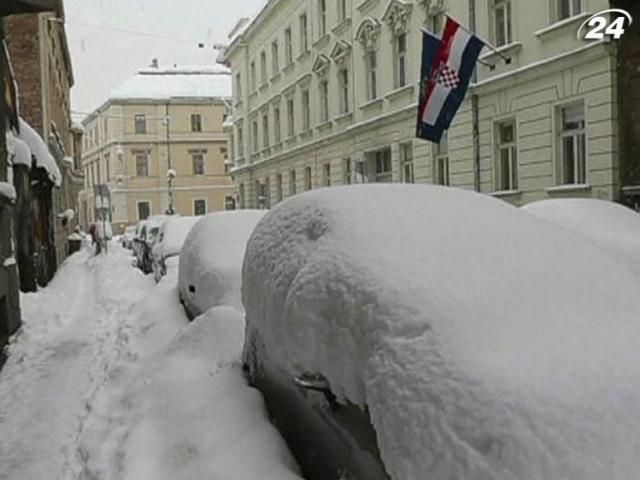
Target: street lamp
<point x="171" y="174"/>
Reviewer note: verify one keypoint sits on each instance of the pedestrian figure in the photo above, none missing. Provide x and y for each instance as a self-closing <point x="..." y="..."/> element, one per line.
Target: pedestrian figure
<point x="93" y="231"/>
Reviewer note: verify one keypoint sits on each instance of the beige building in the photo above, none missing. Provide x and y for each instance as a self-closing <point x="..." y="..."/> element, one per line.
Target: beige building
<point x="325" y="93"/>
<point x="160" y="120"/>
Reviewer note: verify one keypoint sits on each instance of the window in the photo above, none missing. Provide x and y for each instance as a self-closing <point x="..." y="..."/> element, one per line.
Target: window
<point x="307" y="178"/>
<point x="107" y="165"/>
<point x="255" y="136"/>
<point x="346" y="171"/>
<point x="401" y="60"/>
<point x="240" y="142"/>
<point x="278" y="187"/>
<point x="406" y="162"/>
<point x="502" y="22"/>
<point x="306" y="114"/>
<point x="568" y="8"/>
<point x="196" y="122"/>
<point x="263" y="68"/>
<point x="144" y="210"/>
<point x="242" y="195"/>
<point x="326" y="174"/>
<point x="252" y="70"/>
<point x="265" y="131"/>
<point x="140" y="121"/>
<point x="225" y="159"/>
<point x="441" y="161"/>
<point x="292" y="182"/>
<point x="343" y="80"/>
<point x="372" y="76"/>
<point x="383" y="165"/>
<point x="304" y="38"/>
<point x="342" y="10"/>
<point x="262" y="190"/>
<point x="290" y="118"/>
<point x="288" y="46"/>
<point x="323" y="88"/>
<point x="197" y="161"/>
<point x="322" y="17"/>
<point x="106" y="129"/>
<point x="238" y="87"/>
<point x="573" y="144"/>
<point x="229" y="203"/>
<point x="277" y="136"/>
<point x="506" y="156"/>
<point x="142" y="165"/>
<point x="199" y="207"/>
<point x="275" y="60"/>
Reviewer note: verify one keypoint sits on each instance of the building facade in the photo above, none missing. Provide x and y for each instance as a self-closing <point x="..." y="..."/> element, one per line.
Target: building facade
<point x="325" y="93"/>
<point x="159" y="122"/>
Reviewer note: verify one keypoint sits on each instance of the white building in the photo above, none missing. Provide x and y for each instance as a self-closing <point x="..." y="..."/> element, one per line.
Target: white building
<point x="325" y="93"/>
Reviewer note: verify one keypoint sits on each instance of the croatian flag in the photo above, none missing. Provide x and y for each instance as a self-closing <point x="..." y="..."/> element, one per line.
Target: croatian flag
<point x="447" y="65"/>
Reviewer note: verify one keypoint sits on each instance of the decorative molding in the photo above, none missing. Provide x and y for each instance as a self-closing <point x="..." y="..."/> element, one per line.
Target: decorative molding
<point x="321" y="65"/>
<point x="366" y="5"/>
<point x="368" y="33"/>
<point x="432" y="7"/>
<point x="340" y="52"/>
<point x="396" y="16"/>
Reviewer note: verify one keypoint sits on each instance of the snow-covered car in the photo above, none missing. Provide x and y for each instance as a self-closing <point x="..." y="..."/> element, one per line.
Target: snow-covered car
<point x="148" y="232"/>
<point x="173" y="233"/>
<point x="128" y="236"/>
<point x="211" y="260"/>
<point x="457" y="336"/>
<point x="611" y="225"/>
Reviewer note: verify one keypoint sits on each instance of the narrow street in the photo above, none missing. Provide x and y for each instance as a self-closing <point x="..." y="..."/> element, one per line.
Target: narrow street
<point x="106" y="374"/>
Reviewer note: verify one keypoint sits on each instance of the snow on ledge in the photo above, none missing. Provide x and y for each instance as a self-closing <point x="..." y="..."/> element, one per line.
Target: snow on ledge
<point x="8" y="192"/>
<point x="40" y="151"/>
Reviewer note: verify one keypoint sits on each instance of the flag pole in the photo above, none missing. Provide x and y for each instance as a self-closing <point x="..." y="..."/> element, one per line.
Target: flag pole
<point x="491" y="47"/>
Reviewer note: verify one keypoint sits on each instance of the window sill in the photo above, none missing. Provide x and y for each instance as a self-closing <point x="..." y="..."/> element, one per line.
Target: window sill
<point x="376" y="102"/>
<point x="506" y="193"/>
<point x="394" y="94"/>
<point x="322" y="41"/>
<point x="324" y="126"/>
<point x="561" y="24"/>
<point x="304" y="55"/>
<point x="343" y="117"/>
<point x="275" y="78"/>
<point x="288" y="67"/>
<point x="572" y="187"/>
<point x="341" y="27"/>
<point x="509" y="48"/>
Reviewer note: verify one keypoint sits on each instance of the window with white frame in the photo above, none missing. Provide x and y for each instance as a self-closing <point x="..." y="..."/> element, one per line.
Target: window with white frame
<point x="322" y="17"/>
<point x="401" y="60"/>
<point x="326" y="174"/>
<point x="382" y="159"/>
<point x="573" y="168"/>
<point x="240" y="142"/>
<point x="144" y="210"/>
<point x="277" y="135"/>
<point x="406" y="162"/>
<point x="568" y="8"/>
<point x="278" y="187"/>
<point x="324" y="100"/>
<point x="292" y="182"/>
<point x="199" y="207"/>
<point x="441" y="161"/>
<point x="265" y="131"/>
<point x="506" y="156"/>
<point x="263" y="68"/>
<point x="275" y="57"/>
<point x="343" y="82"/>
<point x="501" y="19"/>
<point x="255" y="136"/>
<point x="306" y="114"/>
<point x="196" y="122"/>
<point x="372" y="74"/>
<point x="142" y="164"/>
<point x="197" y="162"/>
<point x="288" y="46"/>
<point x="140" y="123"/>
<point x="346" y="171"/>
<point x="304" y="33"/>
<point x="291" y="127"/>
<point x="342" y="10"/>
<point x="307" y="178"/>
<point x="252" y="71"/>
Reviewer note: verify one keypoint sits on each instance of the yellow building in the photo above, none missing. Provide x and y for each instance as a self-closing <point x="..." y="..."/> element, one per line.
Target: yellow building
<point x="159" y="121"/>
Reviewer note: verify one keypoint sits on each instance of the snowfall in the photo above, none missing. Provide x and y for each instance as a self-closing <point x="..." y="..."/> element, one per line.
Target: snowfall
<point x="108" y="380"/>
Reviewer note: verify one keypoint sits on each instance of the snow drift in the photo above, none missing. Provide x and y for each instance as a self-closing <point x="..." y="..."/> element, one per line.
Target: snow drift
<point x="486" y="343"/>
<point x="211" y="259"/>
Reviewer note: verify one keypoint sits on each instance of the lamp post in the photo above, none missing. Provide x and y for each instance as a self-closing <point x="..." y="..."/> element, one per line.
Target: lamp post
<point x="171" y="174"/>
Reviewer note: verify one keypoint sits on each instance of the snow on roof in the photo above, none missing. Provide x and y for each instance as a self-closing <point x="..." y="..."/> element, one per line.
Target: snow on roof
<point x="486" y="342"/>
<point x="19" y="151"/>
<point x="176" y="82"/>
<point x="8" y="192"/>
<point x="40" y="151"/>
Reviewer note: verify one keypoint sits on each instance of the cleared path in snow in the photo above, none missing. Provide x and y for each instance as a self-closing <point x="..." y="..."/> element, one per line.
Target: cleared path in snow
<point x="73" y="331"/>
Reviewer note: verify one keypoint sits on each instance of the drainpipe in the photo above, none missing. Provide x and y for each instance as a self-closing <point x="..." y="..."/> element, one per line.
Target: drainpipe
<point x="475" y="109"/>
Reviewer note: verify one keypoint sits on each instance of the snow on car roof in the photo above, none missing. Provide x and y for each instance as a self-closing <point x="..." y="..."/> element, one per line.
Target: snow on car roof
<point x="174" y="231"/>
<point x="485" y="342"/>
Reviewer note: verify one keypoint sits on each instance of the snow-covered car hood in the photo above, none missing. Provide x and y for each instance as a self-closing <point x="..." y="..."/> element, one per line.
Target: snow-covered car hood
<point x="485" y="342"/>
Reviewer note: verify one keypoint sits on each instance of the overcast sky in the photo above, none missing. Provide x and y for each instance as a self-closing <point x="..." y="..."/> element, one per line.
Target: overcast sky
<point x="103" y="56"/>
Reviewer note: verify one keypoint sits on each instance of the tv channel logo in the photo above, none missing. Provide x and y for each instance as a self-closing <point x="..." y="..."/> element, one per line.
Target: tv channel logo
<point x="610" y="23"/>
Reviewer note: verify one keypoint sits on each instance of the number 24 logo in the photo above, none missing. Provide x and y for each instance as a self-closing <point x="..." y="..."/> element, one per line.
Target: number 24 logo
<point x="600" y="25"/>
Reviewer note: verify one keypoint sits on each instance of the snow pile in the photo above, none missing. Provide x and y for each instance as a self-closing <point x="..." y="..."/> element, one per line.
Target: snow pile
<point x="211" y="259"/>
<point x="8" y="192"/>
<point x="173" y="233"/>
<point x="610" y="224"/>
<point x="39" y="149"/>
<point x="486" y="343"/>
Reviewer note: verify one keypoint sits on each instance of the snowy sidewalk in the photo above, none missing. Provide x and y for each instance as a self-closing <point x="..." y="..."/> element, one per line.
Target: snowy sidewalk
<point x="108" y="380"/>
